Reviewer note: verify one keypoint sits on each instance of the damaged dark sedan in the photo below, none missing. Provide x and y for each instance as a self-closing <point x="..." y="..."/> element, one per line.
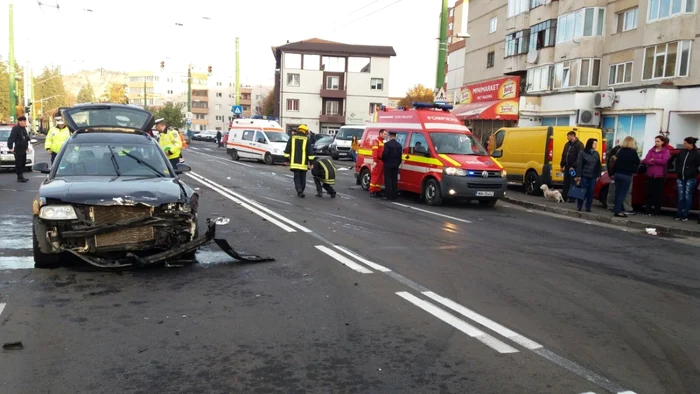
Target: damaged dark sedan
<point x="111" y="197"/>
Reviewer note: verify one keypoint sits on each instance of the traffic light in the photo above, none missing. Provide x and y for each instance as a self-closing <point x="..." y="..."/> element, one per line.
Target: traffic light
<point x="27" y="109"/>
<point x="209" y="70"/>
<point x="162" y="65"/>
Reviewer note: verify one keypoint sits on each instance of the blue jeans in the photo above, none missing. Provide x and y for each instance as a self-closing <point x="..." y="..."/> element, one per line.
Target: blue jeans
<point x="623" y="183"/>
<point x="685" y="196"/>
<point x="354" y="156"/>
<point x="589" y="185"/>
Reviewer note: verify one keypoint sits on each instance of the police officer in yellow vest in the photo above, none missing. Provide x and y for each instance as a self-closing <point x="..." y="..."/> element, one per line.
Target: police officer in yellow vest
<point x="170" y="142"/>
<point x="56" y="137"/>
<point x="299" y="151"/>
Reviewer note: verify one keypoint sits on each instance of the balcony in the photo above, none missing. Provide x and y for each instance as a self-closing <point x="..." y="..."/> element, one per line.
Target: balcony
<point x="338" y="118"/>
<point x="333" y="85"/>
<point x="333" y="93"/>
<point x="200" y="109"/>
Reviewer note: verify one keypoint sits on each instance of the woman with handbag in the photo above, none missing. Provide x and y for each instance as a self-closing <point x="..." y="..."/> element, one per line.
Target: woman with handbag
<point x="626" y="166"/>
<point x="588" y="169"/>
<point x="656" y="162"/>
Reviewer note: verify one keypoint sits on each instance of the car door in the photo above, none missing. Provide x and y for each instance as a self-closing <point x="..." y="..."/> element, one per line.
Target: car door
<point x="246" y="148"/>
<point x="259" y="145"/>
<point x="412" y="168"/>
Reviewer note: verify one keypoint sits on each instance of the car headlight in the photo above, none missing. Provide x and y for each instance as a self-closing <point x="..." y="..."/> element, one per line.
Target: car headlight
<point x="503" y="173"/>
<point x="57" y="212"/>
<point x="455" y="171"/>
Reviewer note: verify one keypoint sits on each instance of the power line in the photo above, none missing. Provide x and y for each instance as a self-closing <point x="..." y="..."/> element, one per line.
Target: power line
<point x="370" y="14"/>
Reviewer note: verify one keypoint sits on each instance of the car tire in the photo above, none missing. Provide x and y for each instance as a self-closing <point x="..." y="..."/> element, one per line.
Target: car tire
<point x="488" y="203"/>
<point x="532" y="183"/>
<point x="43" y="260"/>
<point x="431" y="193"/>
<point x="234" y="155"/>
<point x="365" y="178"/>
<point x="268" y="159"/>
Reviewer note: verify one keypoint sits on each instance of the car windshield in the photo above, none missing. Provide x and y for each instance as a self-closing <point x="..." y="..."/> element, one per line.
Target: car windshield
<point x="107" y="116"/>
<point x="457" y="144"/>
<point x="324" y="140"/>
<point x="276" y="136"/>
<point x="93" y="159"/>
<point x="347" y="134"/>
<point x="4" y="134"/>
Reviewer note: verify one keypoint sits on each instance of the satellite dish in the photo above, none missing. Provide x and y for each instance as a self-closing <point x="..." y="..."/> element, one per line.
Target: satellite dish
<point x="532" y="56"/>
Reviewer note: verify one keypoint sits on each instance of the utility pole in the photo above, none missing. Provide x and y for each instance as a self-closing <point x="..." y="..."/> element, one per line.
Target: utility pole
<point x="33" y="106"/>
<point x="442" y="48"/>
<point x="145" y="102"/>
<point x="13" y="82"/>
<point x="189" y="93"/>
<point x="238" y="74"/>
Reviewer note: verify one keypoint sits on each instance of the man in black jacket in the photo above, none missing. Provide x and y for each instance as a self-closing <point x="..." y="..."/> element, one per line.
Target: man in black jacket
<point x="18" y="143"/>
<point x="391" y="157"/>
<point x="323" y="171"/>
<point x="568" y="161"/>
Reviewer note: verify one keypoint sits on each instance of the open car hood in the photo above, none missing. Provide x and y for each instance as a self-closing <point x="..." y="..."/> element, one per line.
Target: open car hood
<point x="108" y="116"/>
<point x="106" y="191"/>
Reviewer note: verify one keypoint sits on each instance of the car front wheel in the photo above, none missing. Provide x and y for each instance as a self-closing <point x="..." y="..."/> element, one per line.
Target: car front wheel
<point x="365" y="178"/>
<point x="431" y="193"/>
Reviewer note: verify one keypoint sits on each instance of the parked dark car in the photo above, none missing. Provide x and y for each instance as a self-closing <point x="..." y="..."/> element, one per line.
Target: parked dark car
<point x="322" y="146"/>
<point x="111" y="197"/>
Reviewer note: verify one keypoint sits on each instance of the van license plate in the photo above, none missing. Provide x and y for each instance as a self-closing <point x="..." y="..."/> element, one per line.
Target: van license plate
<point x="342" y="154"/>
<point x="484" y="194"/>
<point x="560" y="174"/>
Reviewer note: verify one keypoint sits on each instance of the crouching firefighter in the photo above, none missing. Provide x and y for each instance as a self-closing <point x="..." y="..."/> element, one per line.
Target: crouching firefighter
<point x="375" y="182"/>
<point x="323" y="171"/>
<point x="299" y="152"/>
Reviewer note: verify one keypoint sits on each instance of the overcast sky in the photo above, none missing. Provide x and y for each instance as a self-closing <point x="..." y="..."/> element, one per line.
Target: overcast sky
<point x="129" y="35"/>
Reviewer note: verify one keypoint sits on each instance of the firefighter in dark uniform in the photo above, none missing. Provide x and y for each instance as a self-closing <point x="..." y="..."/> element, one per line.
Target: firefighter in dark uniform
<point x="323" y="171"/>
<point x="299" y="151"/>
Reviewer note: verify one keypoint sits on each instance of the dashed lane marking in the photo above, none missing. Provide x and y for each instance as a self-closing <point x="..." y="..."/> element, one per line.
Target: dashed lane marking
<point x="432" y="213"/>
<point x="2" y="307"/>
<point x="459" y="324"/>
<point x="363" y="260"/>
<point x="343" y="260"/>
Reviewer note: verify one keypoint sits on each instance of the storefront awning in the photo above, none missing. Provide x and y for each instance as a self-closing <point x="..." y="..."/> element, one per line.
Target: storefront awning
<point x="491" y="110"/>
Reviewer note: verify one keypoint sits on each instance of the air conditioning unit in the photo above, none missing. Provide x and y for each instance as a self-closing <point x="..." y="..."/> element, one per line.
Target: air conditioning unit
<point x="588" y="117"/>
<point x="604" y="99"/>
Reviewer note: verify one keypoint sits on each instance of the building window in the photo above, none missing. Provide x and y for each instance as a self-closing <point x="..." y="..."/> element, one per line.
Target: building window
<point x="232" y="95"/>
<point x="586" y="22"/>
<point x="219" y="83"/>
<point x="220" y="118"/>
<point x="312" y="62"/>
<point x="450" y="26"/>
<point x="539" y="79"/>
<point x="490" y="59"/>
<point x="377" y="84"/>
<point x="246" y="107"/>
<point x="516" y="43"/>
<point x="332" y="83"/>
<point x="493" y="25"/>
<point x="199" y="116"/>
<point x="536" y="3"/>
<point x="293" y="80"/>
<point x="516" y="7"/>
<point x="664" y="61"/>
<point x="217" y="106"/>
<point x="170" y="91"/>
<point x="616" y="128"/>
<point x="579" y="72"/>
<point x="543" y="34"/>
<point x="332" y="107"/>
<point x="292" y="61"/>
<point x="374" y="107"/>
<point x="620" y="73"/>
<point x="359" y="64"/>
<point x="661" y="9"/>
<point x="219" y="94"/>
<point x="452" y="12"/>
<point x="556" y="121"/>
<point x="627" y="20"/>
<point x="333" y="64"/>
<point x="293" y="105"/>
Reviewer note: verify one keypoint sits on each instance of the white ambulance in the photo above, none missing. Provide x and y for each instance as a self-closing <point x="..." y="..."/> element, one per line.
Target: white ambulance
<point x="257" y="139"/>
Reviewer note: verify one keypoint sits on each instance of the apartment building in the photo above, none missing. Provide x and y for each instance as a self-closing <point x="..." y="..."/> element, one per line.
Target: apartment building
<point x="624" y="65"/>
<point x="456" y="49"/>
<point x="326" y="84"/>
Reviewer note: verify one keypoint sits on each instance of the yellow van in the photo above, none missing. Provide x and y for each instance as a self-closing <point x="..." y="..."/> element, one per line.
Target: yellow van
<point x="531" y="155"/>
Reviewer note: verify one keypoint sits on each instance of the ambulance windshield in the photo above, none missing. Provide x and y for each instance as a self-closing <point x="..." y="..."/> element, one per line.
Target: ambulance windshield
<point x="277" y="136"/>
<point x="457" y="144"/>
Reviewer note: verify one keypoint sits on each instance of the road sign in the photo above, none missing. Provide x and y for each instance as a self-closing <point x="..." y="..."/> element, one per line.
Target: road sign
<point x="188" y="121"/>
<point x="188" y="115"/>
<point x="440" y="96"/>
<point x="237" y="110"/>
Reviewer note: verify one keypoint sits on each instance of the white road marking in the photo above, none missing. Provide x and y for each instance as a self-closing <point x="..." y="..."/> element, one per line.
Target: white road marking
<point x="459" y="324"/>
<point x="223" y="161"/>
<point x="376" y="266"/>
<point x="16" y="263"/>
<point x="432" y="213"/>
<point x="343" y="260"/>
<point x="209" y="149"/>
<point x="626" y="392"/>
<point x="252" y="203"/>
<point x="225" y="193"/>
<point x="588" y="392"/>
<point x="2" y="307"/>
<point x="276" y="200"/>
<point x="484" y="321"/>
<point x="192" y="147"/>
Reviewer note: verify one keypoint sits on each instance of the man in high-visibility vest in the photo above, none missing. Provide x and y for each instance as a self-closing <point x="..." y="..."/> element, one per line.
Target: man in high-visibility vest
<point x="169" y="141"/>
<point x="299" y="151"/>
<point x="375" y="182"/>
<point x="56" y="137"/>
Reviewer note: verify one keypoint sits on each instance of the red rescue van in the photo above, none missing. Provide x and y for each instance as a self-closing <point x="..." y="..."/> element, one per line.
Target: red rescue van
<point x="442" y="159"/>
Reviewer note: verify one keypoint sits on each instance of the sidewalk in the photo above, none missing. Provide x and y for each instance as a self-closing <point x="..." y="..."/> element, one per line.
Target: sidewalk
<point x="663" y="225"/>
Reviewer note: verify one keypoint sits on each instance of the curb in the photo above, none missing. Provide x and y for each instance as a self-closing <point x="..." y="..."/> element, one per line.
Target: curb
<point x="607" y="219"/>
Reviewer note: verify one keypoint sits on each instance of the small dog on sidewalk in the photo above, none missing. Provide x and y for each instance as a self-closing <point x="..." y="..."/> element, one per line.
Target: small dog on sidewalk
<point x="552" y="195"/>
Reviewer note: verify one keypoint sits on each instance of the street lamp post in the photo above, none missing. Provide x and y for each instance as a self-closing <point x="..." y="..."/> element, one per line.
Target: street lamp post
<point x="442" y="49"/>
<point x="13" y="83"/>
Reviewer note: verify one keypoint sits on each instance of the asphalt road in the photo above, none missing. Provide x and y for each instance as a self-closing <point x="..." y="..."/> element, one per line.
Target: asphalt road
<point x="365" y="296"/>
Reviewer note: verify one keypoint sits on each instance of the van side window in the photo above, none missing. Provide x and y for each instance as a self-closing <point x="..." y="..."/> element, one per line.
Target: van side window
<point x="417" y="138"/>
<point x="401" y="137"/>
<point x="500" y="136"/>
<point x="248" y="135"/>
<point x="371" y="137"/>
<point x="258" y="136"/>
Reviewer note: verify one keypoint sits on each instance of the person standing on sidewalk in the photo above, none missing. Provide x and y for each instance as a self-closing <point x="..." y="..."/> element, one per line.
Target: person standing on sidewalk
<point x="18" y="144"/>
<point x="392" y="157"/>
<point x="687" y="164"/>
<point x="569" y="156"/>
<point x="656" y="161"/>
<point x="299" y="152"/>
<point x="587" y="171"/>
<point x="626" y="166"/>
<point x="56" y="137"/>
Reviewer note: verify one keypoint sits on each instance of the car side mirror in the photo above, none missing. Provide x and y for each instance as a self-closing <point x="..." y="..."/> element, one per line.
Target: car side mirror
<point x="181" y="167"/>
<point x="262" y="140"/>
<point x="44" y="168"/>
<point x="33" y="141"/>
<point x="497" y="153"/>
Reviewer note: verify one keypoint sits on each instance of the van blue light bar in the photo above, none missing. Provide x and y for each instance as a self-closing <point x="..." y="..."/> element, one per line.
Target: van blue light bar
<point x="442" y="106"/>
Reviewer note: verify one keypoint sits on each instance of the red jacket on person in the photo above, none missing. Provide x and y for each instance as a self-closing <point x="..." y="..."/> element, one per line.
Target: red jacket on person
<point x="375" y="183"/>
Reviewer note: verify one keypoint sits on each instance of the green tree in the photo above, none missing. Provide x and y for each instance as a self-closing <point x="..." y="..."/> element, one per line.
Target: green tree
<point x="5" y="90"/>
<point x="115" y="93"/>
<point x="267" y="107"/>
<point x="50" y="92"/>
<point x="86" y="94"/>
<point x="418" y="93"/>
<point x="172" y="113"/>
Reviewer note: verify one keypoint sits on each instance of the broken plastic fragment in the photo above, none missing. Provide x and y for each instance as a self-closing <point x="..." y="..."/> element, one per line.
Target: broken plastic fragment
<point x="13" y="346"/>
<point x="651" y="231"/>
<point x="222" y="221"/>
